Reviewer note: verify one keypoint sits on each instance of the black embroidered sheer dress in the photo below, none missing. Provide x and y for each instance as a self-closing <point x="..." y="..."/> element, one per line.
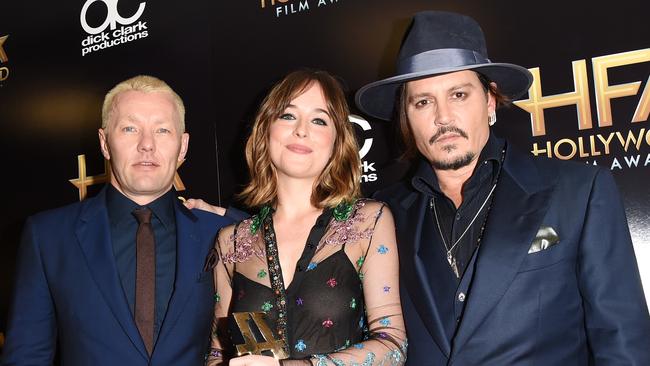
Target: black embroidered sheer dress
<point x="342" y="306"/>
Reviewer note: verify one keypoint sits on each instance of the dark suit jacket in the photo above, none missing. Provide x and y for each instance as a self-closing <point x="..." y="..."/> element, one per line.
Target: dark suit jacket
<point x="579" y="302"/>
<point x="67" y="288"/>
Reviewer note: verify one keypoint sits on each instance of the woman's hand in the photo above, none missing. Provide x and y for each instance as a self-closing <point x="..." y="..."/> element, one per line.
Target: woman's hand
<point x="254" y="360"/>
<point x="202" y="205"/>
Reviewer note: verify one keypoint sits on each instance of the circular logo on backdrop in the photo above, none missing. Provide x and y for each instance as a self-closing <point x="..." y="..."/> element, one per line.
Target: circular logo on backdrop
<point x="367" y="143"/>
<point x="368" y="171"/>
<point x="112" y="16"/>
<point x="107" y="34"/>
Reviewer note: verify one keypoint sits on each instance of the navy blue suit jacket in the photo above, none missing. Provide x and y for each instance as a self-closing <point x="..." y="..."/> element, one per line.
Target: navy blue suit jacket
<point x="579" y="302"/>
<point x="67" y="288"/>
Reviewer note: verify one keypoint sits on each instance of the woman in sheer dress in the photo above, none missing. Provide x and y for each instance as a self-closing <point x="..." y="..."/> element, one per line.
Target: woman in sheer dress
<point x="317" y="259"/>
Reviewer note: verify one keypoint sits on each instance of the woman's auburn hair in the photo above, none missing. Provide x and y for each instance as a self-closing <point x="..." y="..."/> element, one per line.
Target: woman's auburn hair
<point x="340" y="179"/>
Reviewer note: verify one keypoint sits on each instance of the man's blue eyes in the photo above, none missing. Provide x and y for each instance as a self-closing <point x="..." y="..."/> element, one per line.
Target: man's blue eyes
<point x="133" y="129"/>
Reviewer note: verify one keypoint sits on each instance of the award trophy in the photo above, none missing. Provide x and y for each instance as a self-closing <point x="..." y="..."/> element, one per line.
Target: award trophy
<point x="252" y="345"/>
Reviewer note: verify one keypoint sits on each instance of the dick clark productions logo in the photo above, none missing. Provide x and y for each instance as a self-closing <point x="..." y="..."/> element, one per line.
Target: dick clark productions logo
<point x="100" y="38"/>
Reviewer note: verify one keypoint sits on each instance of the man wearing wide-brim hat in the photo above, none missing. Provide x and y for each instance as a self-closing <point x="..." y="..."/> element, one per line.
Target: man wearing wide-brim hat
<point x="506" y="259"/>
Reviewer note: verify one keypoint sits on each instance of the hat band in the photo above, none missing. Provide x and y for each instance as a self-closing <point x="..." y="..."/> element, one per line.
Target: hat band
<point x="443" y="58"/>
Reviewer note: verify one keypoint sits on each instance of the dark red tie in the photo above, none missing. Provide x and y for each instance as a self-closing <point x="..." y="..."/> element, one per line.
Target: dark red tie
<point x="145" y="274"/>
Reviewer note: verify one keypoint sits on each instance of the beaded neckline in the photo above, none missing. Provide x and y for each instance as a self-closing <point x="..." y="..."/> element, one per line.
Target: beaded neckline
<point x="277" y="282"/>
<point x="273" y="261"/>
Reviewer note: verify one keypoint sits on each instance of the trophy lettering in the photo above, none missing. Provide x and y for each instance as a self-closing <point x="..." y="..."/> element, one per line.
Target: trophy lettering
<point x="252" y="346"/>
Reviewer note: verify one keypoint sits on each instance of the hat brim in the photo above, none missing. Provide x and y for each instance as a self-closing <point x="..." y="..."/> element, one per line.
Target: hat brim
<point x="377" y="99"/>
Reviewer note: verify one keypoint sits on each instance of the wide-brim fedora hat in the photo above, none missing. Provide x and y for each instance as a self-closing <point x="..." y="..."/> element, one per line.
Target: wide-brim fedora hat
<point x="439" y="42"/>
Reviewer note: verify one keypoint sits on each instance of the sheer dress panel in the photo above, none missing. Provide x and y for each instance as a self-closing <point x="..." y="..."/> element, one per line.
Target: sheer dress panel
<point x="342" y="306"/>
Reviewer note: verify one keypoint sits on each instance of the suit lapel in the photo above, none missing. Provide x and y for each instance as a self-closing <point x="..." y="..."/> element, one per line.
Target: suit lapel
<point x="93" y="235"/>
<point x="414" y="233"/>
<point x="520" y="203"/>
<point x="189" y="262"/>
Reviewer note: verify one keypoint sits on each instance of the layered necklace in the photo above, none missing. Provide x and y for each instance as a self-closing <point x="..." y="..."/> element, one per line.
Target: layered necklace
<point x="451" y="259"/>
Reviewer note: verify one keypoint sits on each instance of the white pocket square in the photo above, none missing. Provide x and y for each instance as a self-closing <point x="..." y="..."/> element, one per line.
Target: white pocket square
<point x="546" y="237"/>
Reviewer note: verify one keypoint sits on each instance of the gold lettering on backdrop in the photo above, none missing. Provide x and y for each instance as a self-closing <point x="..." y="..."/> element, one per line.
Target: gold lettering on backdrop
<point x="593" y="145"/>
<point x="178" y="183"/>
<point x="4" y="71"/>
<point x="606" y="142"/>
<point x="536" y="103"/>
<point x="251" y="346"/>
<point x="3" y="54"/>
<point x="263" y="2"/>
<point x="606" y="92"/>
<point x="568" y="156"/>
<point x="83" y="181"/>
<point x="636" y="141"/>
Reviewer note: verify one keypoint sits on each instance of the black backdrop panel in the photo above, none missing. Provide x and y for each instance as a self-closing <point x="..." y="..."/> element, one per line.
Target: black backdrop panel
<point x="59" y="58"/>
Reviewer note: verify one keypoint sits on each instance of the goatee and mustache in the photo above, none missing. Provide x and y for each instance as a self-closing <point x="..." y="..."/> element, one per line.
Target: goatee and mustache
<point x="458" y="162"/>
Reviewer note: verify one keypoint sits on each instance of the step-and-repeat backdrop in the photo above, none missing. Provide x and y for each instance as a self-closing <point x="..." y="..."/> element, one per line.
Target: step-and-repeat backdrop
<point x="589" y="102"/>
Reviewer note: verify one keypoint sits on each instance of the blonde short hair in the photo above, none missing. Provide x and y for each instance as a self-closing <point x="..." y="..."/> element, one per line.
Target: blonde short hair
<point x="145" y="84"/>
<point x="340" y="179"/>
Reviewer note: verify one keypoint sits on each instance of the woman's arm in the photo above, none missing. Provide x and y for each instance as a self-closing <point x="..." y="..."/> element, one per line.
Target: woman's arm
<point x="222" y="296"/>
<point x="379" y="272"/>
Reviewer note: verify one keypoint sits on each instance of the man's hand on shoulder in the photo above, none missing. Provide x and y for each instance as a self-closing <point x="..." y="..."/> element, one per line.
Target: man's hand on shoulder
<point x="200" y="204"/>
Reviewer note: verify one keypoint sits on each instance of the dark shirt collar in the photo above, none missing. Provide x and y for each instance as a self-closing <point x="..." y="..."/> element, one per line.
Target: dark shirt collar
<point x="424" y="180"/>
<point x="120" y="207"/>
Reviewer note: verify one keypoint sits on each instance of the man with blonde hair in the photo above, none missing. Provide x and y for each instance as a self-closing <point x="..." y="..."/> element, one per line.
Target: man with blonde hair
<point x="118" y="279"/>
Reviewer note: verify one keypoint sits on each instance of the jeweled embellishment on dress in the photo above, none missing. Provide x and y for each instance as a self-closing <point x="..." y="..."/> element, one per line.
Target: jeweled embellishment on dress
<point x="267" y="306"/>
<point x="300" y="345"/>
<point x="360" y="261"/>
<point x="343" y="210"/>
<point x="347" y="231"/>
<point x="257" y="220"/>
<point x="244" y="245"/>
<point x="328" y="323"/>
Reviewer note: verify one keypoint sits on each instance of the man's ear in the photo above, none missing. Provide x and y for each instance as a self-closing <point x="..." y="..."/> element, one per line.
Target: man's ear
<point x="185" y="141"/>
<point x="491" y="100"/>
<point x="103" y="144"/>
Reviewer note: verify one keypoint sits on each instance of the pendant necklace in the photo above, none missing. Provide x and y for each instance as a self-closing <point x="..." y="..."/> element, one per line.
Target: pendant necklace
<point x="450" y="257"/>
